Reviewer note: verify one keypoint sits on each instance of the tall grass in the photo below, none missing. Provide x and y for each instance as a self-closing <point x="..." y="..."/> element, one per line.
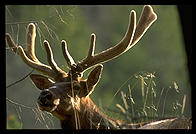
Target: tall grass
<point x="142" y="100"/>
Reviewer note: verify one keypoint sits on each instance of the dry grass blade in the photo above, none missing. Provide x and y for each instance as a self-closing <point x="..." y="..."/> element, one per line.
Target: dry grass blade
<point x="132" y="101"/>
<point x="124" y="100"/>
<point x="183" y="104"/>
<point x="142" y="87"/>
<point x="121" y="108"/>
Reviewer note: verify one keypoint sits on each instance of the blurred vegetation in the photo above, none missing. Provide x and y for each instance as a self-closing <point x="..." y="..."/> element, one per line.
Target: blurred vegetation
<point x="12" y="122"/>
<point x="160" y="52"/>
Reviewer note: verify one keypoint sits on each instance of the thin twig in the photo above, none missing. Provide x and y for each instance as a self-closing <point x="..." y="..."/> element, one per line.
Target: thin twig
<point x="18" y="104"/>
<point x="19" y="80"/>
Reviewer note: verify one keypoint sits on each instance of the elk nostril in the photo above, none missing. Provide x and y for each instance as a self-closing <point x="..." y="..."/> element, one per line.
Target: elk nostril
<point x="49" y="96"/>
<point x="42" y="100"/>
<point x="44" y="97"/>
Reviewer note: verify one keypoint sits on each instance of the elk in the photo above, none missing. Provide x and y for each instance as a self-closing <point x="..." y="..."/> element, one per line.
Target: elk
<point x="66" y="95"/>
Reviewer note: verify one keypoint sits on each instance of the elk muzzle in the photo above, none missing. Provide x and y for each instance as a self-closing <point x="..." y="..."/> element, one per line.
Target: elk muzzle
<point x="47" y="102"/>
<point x="45" y="98"/>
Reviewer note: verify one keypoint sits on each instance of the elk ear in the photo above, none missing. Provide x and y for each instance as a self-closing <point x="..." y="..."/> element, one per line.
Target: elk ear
<point x="40" y="81"/>
<point x="94" y="76"/>
<point x="93" y="79"/>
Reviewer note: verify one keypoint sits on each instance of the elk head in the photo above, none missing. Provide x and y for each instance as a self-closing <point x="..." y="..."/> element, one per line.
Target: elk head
<point x="63" y="93"/>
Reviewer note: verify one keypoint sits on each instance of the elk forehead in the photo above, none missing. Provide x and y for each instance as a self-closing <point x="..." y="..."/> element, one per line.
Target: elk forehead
<point x="63" y="89"/>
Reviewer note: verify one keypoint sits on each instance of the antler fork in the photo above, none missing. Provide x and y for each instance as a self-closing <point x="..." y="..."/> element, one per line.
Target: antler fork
<point x="132" y="36"/>
<point x="28" y="54"/>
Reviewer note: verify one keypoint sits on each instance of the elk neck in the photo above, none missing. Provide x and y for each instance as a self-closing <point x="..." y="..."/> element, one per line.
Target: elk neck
<point x="89" y="116"/>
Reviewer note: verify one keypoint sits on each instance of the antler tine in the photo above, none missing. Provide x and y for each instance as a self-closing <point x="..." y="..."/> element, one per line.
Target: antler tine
<point x="30" y="42"/>
<point x="11" y="43"/>
<point x="50" y="59"/>
<point x="28" y="55"/>
<point x="146" y="19"/>
<point x="91" y="46"/>
<point x="131" y="37"/>
<point x="67" y="56"/>
<point x="111" y="52"/>
<point x="47" y="70"/>
<point x="84" y="64"/>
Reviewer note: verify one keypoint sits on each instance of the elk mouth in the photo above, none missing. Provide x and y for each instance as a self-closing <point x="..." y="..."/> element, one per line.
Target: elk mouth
<point x="47" y="107"/>
<point x="44" y="104"/>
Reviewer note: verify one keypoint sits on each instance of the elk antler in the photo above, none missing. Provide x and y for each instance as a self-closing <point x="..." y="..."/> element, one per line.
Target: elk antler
<point x="132" y="36"/>
<point x="28" y="55"/>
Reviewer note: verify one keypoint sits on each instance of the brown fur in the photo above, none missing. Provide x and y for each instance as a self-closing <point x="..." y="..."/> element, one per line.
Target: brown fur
<point x="89" y="117"/>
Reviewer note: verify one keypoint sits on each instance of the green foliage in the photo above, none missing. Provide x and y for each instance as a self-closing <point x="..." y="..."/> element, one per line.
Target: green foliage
<point x="12" y="122"/>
